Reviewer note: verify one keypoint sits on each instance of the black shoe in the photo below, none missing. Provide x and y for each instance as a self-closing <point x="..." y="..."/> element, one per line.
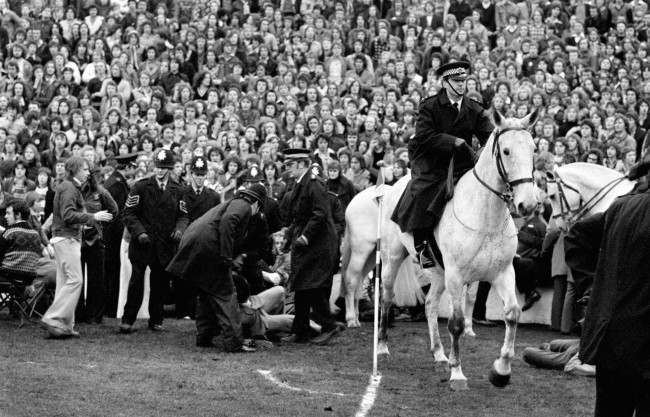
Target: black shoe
<point x="531" y="298"/>
<point x="126" y="328"/>
<point x="205" y="342"/>
<point x="425" y="256"/>
<point x="325" y="337"/>
<point x="294" y="338"/>
<point x="156" y="327"/>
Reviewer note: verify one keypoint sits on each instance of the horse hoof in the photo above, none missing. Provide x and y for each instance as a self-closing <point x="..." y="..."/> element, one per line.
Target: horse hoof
<point x="498" y="380"/>
<point x="458" y="385"/>
<point x="469" y="332"/>
<point x="354" y="323"/>
<point x="382" y="349"/>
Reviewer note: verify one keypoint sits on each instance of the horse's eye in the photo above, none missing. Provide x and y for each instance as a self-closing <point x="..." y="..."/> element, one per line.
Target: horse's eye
<point x="506" y="151"/>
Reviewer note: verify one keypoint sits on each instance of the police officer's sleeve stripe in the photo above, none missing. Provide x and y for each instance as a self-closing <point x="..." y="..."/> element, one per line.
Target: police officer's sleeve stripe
<point x="132" y="200"/>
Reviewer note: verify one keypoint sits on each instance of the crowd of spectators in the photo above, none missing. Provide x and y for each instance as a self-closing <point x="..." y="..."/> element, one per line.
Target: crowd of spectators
<point x="239" y="81"/>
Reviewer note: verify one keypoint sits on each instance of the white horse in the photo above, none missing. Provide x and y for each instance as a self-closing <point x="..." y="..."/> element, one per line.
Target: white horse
<point x="358" y="253"/>
<point x="478" y="240"/>
<point x="579" y="189"/>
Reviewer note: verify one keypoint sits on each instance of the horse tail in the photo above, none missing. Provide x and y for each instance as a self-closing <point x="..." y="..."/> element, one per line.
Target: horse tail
<point x="407" y="288"/>
<point x="346" y="254"/>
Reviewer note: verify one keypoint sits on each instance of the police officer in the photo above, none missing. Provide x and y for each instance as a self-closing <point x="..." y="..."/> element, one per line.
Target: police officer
<point x="313" y="240"/>
<point x="156" y="217"/>
<point x="258" y="249"/>
<point x="117" y="186"/>
<point x="198" y="199"/>
<point x="445" y="126"/>
<point x="206" y="258"/>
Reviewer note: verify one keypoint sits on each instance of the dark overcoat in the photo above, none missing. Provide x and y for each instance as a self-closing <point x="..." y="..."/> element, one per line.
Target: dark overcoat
<point x="310" y="213"/>
<point x="199" y="204"/>
<point x="431" y="150"/>
<point x="617" y="325"/>
<point x="210" y="244"/>
<point x="158" y="213"/>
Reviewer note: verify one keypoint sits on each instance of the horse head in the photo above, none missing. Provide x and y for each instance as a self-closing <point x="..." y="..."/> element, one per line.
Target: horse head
<point x="565" y="198"/>
<point x="512" y="153"/>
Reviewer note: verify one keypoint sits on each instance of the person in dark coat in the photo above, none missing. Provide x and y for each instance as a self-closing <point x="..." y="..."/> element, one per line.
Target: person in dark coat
<point x="313" y="241"/>
<point x="339" y="185"/>
<point x="118" y="188"/>
<point x="156" y="217"/>
<point x="445" y="126"/>
<point x="199" y="200"/>
<point x="206" y="258"/>
<point x="616" y="332"/>
<point x="258" y="250"/>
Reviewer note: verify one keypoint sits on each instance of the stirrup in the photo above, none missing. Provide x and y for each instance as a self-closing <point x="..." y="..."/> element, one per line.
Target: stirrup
<point x="425" y="256"/>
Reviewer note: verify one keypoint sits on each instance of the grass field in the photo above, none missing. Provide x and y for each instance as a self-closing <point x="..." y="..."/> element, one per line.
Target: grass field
<point x="164" y="374"/>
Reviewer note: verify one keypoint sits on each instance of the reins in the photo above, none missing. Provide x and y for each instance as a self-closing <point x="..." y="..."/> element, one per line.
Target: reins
<point x="583" y="207"/>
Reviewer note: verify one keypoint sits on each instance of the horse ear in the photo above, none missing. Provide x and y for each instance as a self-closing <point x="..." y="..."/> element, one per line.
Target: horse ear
<point x="530" y="119"/>
<point x="497" y="117"/>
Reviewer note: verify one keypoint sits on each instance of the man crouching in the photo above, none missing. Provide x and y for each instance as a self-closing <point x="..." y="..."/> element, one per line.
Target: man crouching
<point x="205" y="259"/>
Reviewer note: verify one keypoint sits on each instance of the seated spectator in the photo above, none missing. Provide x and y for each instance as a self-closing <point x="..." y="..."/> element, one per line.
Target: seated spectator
<point x="20" y="245"/>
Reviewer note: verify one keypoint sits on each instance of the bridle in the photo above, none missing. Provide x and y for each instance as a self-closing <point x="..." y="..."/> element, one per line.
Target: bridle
<point x="507" y="195"/>
<point x="572" y="215"/>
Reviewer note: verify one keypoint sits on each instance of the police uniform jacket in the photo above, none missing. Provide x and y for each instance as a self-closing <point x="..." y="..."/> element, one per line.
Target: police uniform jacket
<point x="430" y="151"/>
<point x="310" y="213"/>
<point x="199" y="204"/>
<point x="158" y="213"/>
<point x="616" y="331"/>
<point x="210" y="244"/>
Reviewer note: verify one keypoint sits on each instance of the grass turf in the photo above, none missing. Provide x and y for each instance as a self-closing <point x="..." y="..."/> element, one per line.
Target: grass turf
<point x="164" y="374"/>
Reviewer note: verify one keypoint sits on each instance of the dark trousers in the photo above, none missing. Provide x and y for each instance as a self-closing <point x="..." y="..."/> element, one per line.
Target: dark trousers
<point x="112" y="266"/>
<point x="481" y="299"/>
<point x="620" y="394"/>
<point x="525" y="274"/>
<point x="159" y="286"/>
<point x="216" y="315"/>
<point x="92" y="307"/>
<point x="184" y="298"/>
<point x="317" y="301"/>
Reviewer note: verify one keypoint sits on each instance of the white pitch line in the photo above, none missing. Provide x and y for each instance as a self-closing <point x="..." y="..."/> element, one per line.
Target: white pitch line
<point x="368" y="399"/>
<point x="269" y="377"/>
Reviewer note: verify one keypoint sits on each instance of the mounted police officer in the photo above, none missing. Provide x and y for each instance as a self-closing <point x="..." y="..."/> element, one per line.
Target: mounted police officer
<point x="445" y="126"/>
<point x="156" y="217"/>
<point x="313" y="240"/>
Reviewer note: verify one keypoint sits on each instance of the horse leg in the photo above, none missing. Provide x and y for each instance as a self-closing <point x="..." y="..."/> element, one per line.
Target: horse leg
<point x="431" y="308"/>
<point x="354" y="274"/>
<point x="505" y="287"/>
<point x="455" y="325"/>
<point x="470" y="299"/>
<point x="393" y="256"/>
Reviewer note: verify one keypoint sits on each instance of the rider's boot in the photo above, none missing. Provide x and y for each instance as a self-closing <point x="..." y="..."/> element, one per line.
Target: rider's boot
<point x="423" y="249"/>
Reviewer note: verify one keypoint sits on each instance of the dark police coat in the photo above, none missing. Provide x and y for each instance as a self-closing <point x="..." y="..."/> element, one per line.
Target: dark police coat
<point x="616" y="331"/>
<point x="199" y="204"/>
<point x="430" y="151"/>
<point x="118" y="188"/>
<point x="158" y="213"/>
<point x="310" y="213"/>
<point x="210" y="244"/>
